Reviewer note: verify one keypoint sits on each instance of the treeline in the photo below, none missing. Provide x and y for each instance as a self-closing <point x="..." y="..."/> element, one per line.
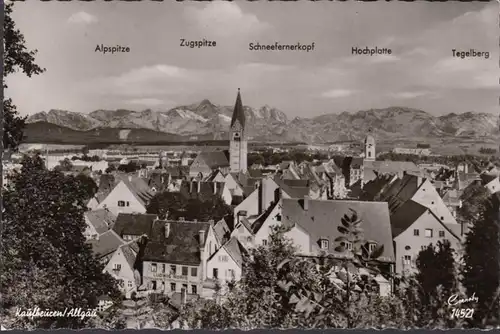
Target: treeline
<point x="445" y="160"/>
<point x="268" y="157"/>
<point x="487" y="150"/>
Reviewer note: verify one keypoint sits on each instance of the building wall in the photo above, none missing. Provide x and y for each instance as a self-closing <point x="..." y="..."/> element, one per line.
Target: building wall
<point x="199" y="166"/>
<point x="266" y="228"/>
<point x="122" y="193"/>
<point x="238" y="150"/>
<point x="243" y="235"/>
<point x="218" y="261"/>
<point x="493" y="186"/>
<point x="407" y="238"/>
<point x="300" y="239"/>
<point x="226" y="195"/>
<point x="427" y="196"/>
<point x="90" y="232"/>
<point x="125" y="275"/>
<point x="249" y="204"/>
<point x="165" y="277"/>
<point x="233" y="185"/>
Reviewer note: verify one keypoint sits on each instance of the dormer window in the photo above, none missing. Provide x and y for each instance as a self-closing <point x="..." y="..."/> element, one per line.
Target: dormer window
<point x="324" y="244"/>
<point x="348" y="245"/>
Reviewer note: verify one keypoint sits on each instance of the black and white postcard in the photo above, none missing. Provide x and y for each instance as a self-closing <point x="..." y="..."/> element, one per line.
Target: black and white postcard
<point x="250" y="165"/>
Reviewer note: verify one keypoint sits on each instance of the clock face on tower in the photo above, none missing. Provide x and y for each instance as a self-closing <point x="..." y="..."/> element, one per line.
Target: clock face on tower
<point x="236" y="136"/>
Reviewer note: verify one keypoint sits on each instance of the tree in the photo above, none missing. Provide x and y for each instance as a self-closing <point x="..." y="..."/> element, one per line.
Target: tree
<point x="46" y="261"/>
<point x="435" y="281"/>
<point x="481" y="271"/>
<point x="473" y="198"/>
<point x="65" y="165"/>
<point x="16" y="57"/>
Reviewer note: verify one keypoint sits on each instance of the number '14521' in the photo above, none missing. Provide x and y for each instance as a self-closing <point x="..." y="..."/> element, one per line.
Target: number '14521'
<point x="462" y="313"/>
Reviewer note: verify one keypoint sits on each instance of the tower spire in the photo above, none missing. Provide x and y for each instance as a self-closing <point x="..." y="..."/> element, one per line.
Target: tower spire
<point x="238" y="113"/>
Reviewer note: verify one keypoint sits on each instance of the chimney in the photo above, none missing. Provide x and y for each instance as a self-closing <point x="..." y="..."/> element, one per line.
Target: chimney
<point x="202" y="237"/>
<point x="199" y="186"/>
<point x="167" y="230"/>
<point x="215" y="188"/>
<point x="306" y="203"/>
<point x="261" y="190"/>
<point x="183" y="297"/>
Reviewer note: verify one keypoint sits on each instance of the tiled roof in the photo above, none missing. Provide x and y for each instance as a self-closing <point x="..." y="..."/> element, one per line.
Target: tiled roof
<point x="106" y="244"/>
<point x="296" y="183"/>
<point x="177" y="171"/>
<point x="138" y="187"/>
<point x="130" y="254"/>
<point x="322" y="219"/>
<point x="182" y="246"/>
<point x="405" y="216"/>
<point x="294" y="192"/>
<point x="400" y="191"/>
<point x="101" y="219"/>
<point x="215" y="159"/>
<point x="134" y="224"/>
<point x="408" y="213"/>
<point x="234" y="248"/>
<point x="222" y="231"/>
<point x="374" y="187"/>
<point x="257" y="224"/>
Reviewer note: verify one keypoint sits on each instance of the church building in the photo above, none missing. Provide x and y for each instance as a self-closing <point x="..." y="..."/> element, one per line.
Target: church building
<point x="238" y="144"/>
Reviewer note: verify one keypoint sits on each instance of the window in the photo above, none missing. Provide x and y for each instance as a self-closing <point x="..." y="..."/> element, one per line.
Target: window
<point x="423" y="247"/>
<point x="441" y="234"/>
<point x="371" y="247"/>
<point x="172" y="287"/>
<point x="428" y="232"/>
<point x="216" y="273"/>
<point x="407" y="259"/>
<point x="173" y="269"/>
<point x="278" y="217"/>
<point x="230" y="273"/>
<point x="117" y="266"/>
<point x="185" y="287"/>
<point x="194" y="289"/>
<point x="121" y="203"/>
<point x="416" y="232"/>
<point x="129" y="284"/>
<point x="348" y="245"/>
<point x="128" y="203"/>
<point x="223" y="258"/>
<point x="184" y="271"/>
<point x="153" y="285"/>
<point x="164" y="268"/>
<point x="194" y="272"/>
<point x="324" y="244"/>
<point x="264" y="242"/>
<point x="153" y="267"/>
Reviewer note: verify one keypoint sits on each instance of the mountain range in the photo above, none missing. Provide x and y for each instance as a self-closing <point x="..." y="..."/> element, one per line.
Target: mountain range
<point x="208" y="121"/>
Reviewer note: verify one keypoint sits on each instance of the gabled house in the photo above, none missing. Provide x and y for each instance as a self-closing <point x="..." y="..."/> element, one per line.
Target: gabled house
<point x="318" y="221"/>
<point x="491" y="180"/>
<point x="226" y="264"/>
<point x="121" y="266"/>
<point x="175" y="256"/>
<point x="207" y="162"/>
<point x="131" y="194"/>
<point x="97" y="222"/>
<point x="414" y="227"/>
<point x="105" y="245"/>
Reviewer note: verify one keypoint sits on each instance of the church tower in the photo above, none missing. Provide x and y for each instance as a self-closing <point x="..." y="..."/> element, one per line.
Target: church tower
<point x="237" y="139"/>
<point x="369" y="147"/>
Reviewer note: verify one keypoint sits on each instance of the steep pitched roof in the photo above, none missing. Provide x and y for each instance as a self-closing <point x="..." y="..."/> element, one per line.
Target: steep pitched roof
<point x="294" y="192"/>
<point x="234" y="248"/>
<point x="257" y="224"/>
<point x="182" y="246"/>
<point x="101" y="219"/>
<point x="130" y="254"/>
<point x="221" y="231"/>
<point x="134" y="224"/>
<point x="255" y="173"/>
<point x="408" y="213"/>
<point x="138" y="187"/>
<point x="401" y="191"/>
<point x="238" y="112"/>
<point x="214" y="159"/>
<point x="322" y="218"/>
<point x="106" y="244"/>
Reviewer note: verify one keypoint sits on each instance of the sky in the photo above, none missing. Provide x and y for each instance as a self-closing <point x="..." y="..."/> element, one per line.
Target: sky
<point x="159" y="74"/>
